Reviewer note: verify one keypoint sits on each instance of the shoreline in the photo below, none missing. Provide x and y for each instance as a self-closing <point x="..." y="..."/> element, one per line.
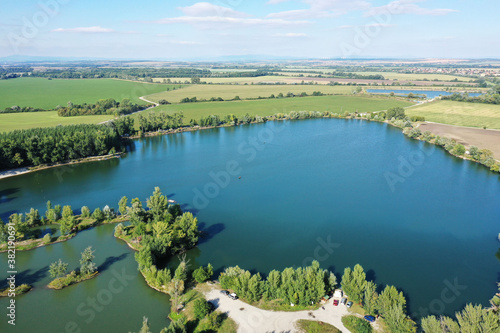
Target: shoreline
<point x="22" y="171"/>
<point x="25" y="170"/>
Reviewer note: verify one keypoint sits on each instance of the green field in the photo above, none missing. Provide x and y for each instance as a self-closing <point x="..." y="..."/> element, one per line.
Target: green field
<point x="268" y="107"/>
<point x="25" y="120"/>
<point x="230" y="80"/>
<point x="243" y="91"/>
<point x="47" y="94"/>
<point x="416" y="77"/>
<point x="459" y="113"/>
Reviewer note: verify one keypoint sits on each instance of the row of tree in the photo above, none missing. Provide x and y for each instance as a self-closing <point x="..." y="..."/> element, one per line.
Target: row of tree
<point x="492" y="97"/>
<point x="300" y="286"/>
<point x="17" y="109"/>
<point x="25" y="224"/>
<point x="103" y="106"/>
<point x="37" y="146"/>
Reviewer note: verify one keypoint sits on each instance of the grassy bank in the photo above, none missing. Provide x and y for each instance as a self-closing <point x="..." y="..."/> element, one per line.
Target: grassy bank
<point x="269" y="107"/>
<point x="312" y="326"/>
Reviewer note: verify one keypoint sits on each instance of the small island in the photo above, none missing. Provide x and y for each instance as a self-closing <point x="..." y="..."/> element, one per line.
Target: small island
<point x="87" y="271"/>
<point x="19" y="290"/>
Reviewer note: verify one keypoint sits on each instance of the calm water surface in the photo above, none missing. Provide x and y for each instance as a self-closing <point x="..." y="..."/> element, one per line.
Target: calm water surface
<point x="312" y="189"/>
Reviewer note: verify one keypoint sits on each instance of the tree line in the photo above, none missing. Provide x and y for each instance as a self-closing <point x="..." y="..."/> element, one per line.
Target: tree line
<point x="493" y="97"/>
<point x="32" y="147"/>
<point x="103" y="106"/>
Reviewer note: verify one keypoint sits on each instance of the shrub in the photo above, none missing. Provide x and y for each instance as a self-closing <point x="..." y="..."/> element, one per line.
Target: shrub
<point x="459" y="149"/>
<point x="46" y="239"/>
<point x="417" y="118"/>
<point x="356" y="325"/>
<point x="201" y="308"/>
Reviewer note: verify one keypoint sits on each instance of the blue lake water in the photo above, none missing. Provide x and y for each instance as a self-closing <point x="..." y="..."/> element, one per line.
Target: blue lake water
<point x="339" y="191"/>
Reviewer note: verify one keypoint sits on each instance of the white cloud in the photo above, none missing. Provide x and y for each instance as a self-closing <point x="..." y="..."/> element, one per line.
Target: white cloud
<point x="291" y="34"/>
<point x="274" y="2"/>
<point x="184" y="42"/>
<point x="407" y="7"/>
<point x="208" y="9"/>
<point x="371" y="25"/>
<point x="323" y="9"/>
<point x="204" y="20"/>
<point x="96" y="29"/>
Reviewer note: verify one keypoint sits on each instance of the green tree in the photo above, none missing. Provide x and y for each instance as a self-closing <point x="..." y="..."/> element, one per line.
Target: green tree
<point x="354" y="283"/>
<point x="202" y="274"/>
<point x="201" y="308"/>
<point x="98" y="215"/>
<point x="122" y="205"/>
<point x="58" y="269"/>
<point x="398" y="322"/>
<point x="67" y="212"/>
<point x="389" y="298"/>
<point x="87" y="265"/>
<point x="370" y="298"/>
<point x="157" y="203"/>
<point x="476" y="319"/>
<point x="33" y="217"/>
<point x="396" y="112"/>
<point x="85" y="212"/>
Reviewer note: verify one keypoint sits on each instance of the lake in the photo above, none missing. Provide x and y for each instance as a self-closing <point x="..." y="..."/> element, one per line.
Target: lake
<point x="271" y="196"/>
<point x="429" y="93"/>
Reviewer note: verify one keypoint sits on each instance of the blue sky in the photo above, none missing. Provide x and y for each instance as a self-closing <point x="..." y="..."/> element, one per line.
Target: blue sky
<point x="188" y="30"/>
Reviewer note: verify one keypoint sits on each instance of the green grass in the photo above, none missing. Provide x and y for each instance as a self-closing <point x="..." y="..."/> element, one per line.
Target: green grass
<point x="47" y="94"/>
<point x="268" y="107"/>
<point x="25" y="120"/>
<point x="459" y="113"/>
<point x="244" y="91"/>
<point x="311" y="326"/>
<point x="356" y="324"/>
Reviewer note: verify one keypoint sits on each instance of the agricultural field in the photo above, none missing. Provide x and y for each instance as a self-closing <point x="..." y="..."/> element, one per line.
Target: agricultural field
<point x="47" y="94"/>
<point x="268" y="107"/>
<point x="417" y="77"/>
<point x="243" y="91"/>
<point x="459" y="113"/>
<point x="25" y="120"/>
<point x="232" y="80"/>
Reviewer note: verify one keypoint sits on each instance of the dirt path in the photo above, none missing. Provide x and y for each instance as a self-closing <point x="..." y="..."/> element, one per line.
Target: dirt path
<point x="251" y="319"/>
<point x="468" y="136"/>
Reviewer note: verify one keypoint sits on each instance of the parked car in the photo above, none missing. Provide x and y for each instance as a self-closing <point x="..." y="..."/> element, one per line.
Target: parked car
<point x="343" y="300"/>
<point x="233" y="296"/>
<point x="224" y="292"/>
<point x="349" y="304"/>
<point x="335" y="302"/>
<point x="370" y="318"/>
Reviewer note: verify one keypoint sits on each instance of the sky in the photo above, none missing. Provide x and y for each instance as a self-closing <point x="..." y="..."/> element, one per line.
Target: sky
<point x="211" y="30"/>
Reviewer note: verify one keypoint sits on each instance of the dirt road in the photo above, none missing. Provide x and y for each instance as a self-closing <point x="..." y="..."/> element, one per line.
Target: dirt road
<point x="254" y="320"/>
